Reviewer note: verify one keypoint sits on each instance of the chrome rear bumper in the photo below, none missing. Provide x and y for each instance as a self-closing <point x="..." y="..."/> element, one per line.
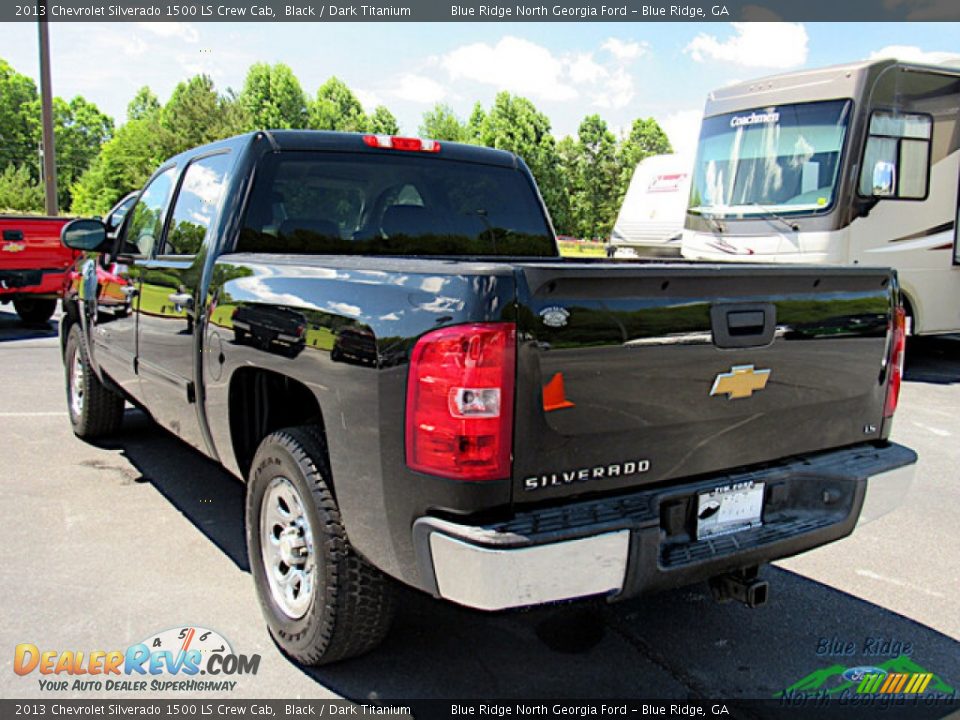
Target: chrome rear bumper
<point x="634" y="544"/>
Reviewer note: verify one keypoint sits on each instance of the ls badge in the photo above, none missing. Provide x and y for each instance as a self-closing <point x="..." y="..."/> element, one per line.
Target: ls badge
<point x="741" y="382"/>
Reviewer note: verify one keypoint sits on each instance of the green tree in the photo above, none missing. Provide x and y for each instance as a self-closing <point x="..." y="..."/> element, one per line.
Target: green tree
<point x="567" y="169"/>
<point x="193" y="115"/>
<point x="599" y="176"/>
<point x="144" y="103"/>
<point x="232" y="118"/>
<point x="272" y="98"/>
<point x="19" y="192"/>
<point x="382" y="122"/>
<point x="19" y="120"/>
<point x="514" y="124"/>
<point x="475" y="123"/>
<point x="336" y="108"/>
<point x="646" y="138"/>
<point x="441" y="123"/>
<point x="80" y="130"/>
<point x="124" y="164"/>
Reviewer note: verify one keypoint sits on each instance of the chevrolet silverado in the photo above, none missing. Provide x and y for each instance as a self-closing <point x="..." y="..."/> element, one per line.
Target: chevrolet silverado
<point x="378" y="336"/>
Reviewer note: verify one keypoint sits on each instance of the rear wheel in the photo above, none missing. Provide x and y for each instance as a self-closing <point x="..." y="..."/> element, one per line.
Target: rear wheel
<point x="35" y="310"/>
<point x="322" y="602"/>
<point x="95" y="410"/>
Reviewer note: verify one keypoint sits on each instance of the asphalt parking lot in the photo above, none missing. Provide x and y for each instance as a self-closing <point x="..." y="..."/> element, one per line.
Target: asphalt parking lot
<point x="102" y="546"/>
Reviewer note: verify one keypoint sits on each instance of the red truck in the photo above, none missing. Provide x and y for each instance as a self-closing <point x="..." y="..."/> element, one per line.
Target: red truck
<point x="33" y="264"/>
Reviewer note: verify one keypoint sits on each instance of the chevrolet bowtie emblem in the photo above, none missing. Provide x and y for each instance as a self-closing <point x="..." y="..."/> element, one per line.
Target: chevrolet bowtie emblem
<point x="741" y="382"/>
<point x="13" y="247"/>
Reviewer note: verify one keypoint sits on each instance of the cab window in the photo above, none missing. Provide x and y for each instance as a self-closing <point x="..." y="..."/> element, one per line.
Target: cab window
<point x="197" y="205"/>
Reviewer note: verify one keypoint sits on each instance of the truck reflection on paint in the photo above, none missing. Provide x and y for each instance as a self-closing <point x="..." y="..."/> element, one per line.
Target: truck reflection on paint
<point x="274" y="329"/>
<point x="355" y="345"/>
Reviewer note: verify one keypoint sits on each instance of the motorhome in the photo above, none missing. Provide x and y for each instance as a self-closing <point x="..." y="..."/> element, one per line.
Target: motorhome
<point x="854" y="164"/>
<point x="650" y="222"/>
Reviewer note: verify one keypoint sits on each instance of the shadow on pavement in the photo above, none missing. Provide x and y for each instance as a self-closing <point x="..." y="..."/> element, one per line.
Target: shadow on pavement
<point x="678" y="644"/>
<point x="208" y="496"/>
<point x="13" y="328"/>
<point x="934" y="360"/>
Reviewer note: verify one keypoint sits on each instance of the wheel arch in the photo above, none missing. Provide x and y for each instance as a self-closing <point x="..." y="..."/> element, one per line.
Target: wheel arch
<point x="910" y="308"/>
<point x="262" y="401"/>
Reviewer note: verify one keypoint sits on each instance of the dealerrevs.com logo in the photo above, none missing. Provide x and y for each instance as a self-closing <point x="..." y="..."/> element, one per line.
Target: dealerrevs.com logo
<point x="184" y="659"/>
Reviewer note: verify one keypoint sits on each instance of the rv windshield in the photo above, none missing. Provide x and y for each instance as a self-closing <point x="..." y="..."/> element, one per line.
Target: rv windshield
<point x="769" y="161"/>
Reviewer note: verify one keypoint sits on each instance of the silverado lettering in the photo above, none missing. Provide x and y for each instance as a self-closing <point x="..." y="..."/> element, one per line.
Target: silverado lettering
<point x="595" y="473"/>
<point x="378" y="336"/>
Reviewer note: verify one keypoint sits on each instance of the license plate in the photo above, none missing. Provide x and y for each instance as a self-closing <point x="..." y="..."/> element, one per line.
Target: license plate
<point x="729" y="509"/>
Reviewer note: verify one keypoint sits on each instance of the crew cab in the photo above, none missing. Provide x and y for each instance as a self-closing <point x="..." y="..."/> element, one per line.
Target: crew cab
<point x="378" y="336"/>
<point x="33" y="264"/>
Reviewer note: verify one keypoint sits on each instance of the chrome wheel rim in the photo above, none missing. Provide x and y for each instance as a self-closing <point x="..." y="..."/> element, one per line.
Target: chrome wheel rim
<point x="76" y="384"/>
<point x="287" y="549"/>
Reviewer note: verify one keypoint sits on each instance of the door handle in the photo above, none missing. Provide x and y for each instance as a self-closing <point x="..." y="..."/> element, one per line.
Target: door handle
<point x="743" y="325"/>
<point x="181" y="300"/>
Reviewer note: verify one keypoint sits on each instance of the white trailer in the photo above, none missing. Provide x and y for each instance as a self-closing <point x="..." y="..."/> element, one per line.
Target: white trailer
<point x="854" y="164"/>
<point x="650" y="222"/>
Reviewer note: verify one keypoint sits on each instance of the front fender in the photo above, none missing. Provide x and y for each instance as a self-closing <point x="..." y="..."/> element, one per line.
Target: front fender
<point x="80" y="301"/>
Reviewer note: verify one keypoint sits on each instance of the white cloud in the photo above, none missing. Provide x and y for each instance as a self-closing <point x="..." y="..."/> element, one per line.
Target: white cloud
<point x="584" y="69"/>
<point x="367" y="98"/>
<point x="525" y="68"/>
<point x="911" y="53"/>
<point x="625" y="51"/>
<point x="112" y="39"/>
<point x="344" y="309"/>
<point x="513" y="64"/>
<point x="617" y="91"/>
<point x="683" y="129"/>
<point x="757" y="44"/>
<point x="433" y="284"/>
<point x="419" y="89"/>
<point x="182" y="31"/>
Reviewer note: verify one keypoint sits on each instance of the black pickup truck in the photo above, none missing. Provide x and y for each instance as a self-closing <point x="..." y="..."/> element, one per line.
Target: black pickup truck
<point x="378" y="335"/>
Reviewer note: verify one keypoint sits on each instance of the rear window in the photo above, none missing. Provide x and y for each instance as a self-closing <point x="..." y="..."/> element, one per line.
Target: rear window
<point x="366" y="204"/>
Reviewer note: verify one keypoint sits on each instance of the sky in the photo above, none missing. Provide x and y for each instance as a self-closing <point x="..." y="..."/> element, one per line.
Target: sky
<point x="621" y="71"/>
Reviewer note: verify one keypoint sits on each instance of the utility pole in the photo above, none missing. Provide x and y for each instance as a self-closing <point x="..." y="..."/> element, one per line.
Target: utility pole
<point x="46" y="106"/>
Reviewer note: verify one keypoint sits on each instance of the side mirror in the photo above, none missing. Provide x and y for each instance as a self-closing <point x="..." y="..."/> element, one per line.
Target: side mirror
<point x="884" y="178"/>
<point x="85" y="234"/>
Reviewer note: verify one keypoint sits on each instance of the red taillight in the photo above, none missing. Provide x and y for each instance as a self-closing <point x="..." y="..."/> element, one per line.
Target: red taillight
<point x="898" y="346"/>
<point x="392" y="142"/>
<point x="460" y="401"/>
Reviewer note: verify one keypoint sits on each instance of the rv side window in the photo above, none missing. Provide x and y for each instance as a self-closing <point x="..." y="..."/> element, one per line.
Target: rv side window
<point x="896" y="159"/>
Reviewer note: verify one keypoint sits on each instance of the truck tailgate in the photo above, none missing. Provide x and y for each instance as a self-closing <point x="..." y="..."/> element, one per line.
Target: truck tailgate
<point x="633" y="374"/>
<point x="30" y="249"/>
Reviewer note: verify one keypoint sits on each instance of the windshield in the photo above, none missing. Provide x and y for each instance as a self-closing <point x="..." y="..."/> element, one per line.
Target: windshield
<point x="780" y="159"/>
<point x="402" y="204"/>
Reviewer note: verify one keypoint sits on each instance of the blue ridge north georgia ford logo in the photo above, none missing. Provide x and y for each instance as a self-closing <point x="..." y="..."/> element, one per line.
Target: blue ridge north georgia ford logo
<point x="555" y="316"/>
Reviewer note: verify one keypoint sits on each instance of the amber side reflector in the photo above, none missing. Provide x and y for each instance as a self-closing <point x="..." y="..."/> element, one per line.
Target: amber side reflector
<point x="554" y="395"/>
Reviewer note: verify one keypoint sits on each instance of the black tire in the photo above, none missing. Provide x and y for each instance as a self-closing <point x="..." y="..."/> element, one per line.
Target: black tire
<point x="350" y="608"/>
<point x="99" y="411"/>
<point x="35" y="310"/>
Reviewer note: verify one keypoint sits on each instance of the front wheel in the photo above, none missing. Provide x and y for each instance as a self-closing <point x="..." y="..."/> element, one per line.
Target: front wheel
<point x="95" y="409"/>
<point x="35" y="310"/>
<point x="322" y="602"/>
